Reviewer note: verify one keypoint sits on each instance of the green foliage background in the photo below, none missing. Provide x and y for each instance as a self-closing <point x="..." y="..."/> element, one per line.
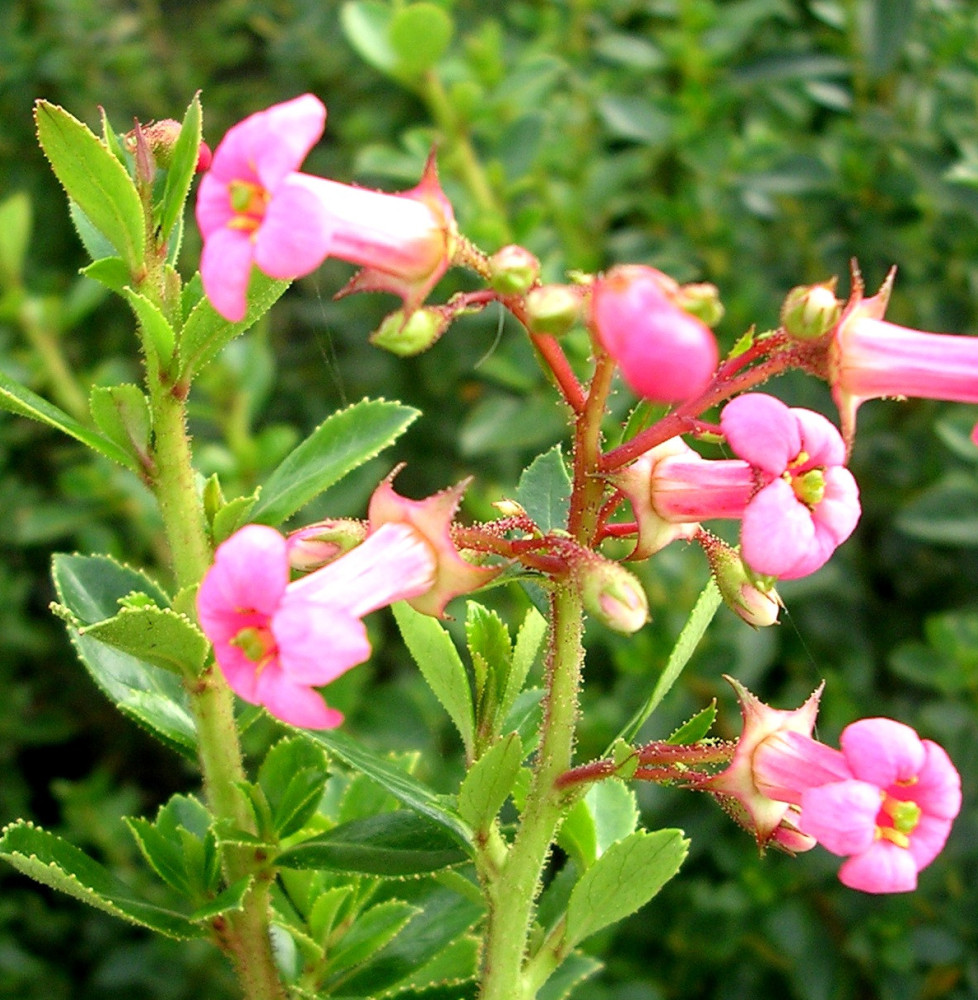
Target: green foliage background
<point x="757" y="144"/>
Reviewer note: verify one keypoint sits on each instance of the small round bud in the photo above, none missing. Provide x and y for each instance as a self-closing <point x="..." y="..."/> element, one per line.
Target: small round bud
<point x="612" y="594"/>
<point x="810" y="311"/>
<point x="553" y="309"/>
<point x="514" y="270"/>
<point x="749" y="597"/>
<point x="701" y="300"/>
<point x="408" y="335"/>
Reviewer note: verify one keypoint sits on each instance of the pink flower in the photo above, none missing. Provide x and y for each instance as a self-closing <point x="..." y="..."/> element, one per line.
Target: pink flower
<point x="870" y="358"/>
<point x="664" y="353"/>
<point x="276" y="641"/>
<point x="886" y="802"/>
<point x="255" y="207"/>
<point x="808" y="504"/>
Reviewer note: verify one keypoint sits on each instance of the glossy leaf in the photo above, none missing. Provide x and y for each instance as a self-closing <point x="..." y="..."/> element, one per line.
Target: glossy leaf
<point x="156" y="329"/>
<point x="183" y="164"/>
<point x="528" y="639"/>
<point x="292" y="777"/>
<point x="370" y="932"/>
<point x="366" y="24"/>
<point x="697" y="727"/>
<point x="340" y="444"/>
<point x="544" y="490"/>
<point x="489" y="782"/>
<point x="122" y="414"/>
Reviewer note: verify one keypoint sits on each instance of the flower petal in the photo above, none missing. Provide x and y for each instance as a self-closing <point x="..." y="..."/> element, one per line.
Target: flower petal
<point x="289" y="131"/>
<point x="294" y="236"/>
<point x="928" y="839"/>
<point x="884" y="867"/>
<point x="225" y="268"/>
<point x="841" y="815"/>
<point x="882" y="751"/>
<point x="316" y="644"/>
<point x="296" y="704"/>
<point x="820" y="439"/>
<point x="761" y="430"/>
<point x="938" y="787"/>
<point x="777" y="532"/>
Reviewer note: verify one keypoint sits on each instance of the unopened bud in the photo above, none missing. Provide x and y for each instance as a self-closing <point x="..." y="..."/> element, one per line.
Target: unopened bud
<point x="749" y="597"/>
<point x="316" y="545"/>
<point x="553" y="309"/>
<point x="409" y="335"/>
<point x="514" y="270"/>
<point x="160" y="138"/>
<point x="810" y="311"/>
<point x="701" y="300"/>
<point x="612" y="594"/>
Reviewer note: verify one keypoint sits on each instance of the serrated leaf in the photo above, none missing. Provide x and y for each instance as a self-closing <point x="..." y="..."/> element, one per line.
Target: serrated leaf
<point x="183" y="164"/>
<point x="17" y="398"/>
<point x="55" y="863"/>
<point x="528" y="639"/>
<point x="433" y="650"/>
<point x="696" y="625"/>
<point x="206" y="332"/>
<point x="109" y="271"/>
<point x="292" y="777"/>
<point x="158" y="636"/>
<point x="489" y="782"/>
<point x="607" y="813"/>
<point x="697" y="727"/>
<point x="574" y="969"/>
<point x="232" y="898"/>
<point x="154" y="325"/>
<point x="122" y="414"/>
<point x="406" y="789"/>
<point x="419" y="34"/>
<point x="90" y="588"/>
<point x="370" y="932"/>
<point x="341" y="443"/>
<point x="488" y="638"/>
<point x="621" y="881"/>
<point x="94" y="179"/>
<point x="231" y="516"/>
<point x="544" y="490"/>
<point x="15" y="233"/>
<point x="390" y="844"/>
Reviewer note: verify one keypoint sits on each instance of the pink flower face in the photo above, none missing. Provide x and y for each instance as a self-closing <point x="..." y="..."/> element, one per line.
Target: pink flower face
<point x="252" y="207"/>
<point x="664" y="353"/>
<point x="809" y="503"/>
<point x="276" y="641"/>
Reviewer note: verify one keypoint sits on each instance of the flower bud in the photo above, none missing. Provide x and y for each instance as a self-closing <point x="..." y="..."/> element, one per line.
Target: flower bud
<point x="612" y="594"/>
<point x="553" y="309"/>
<point x="161" y="137"/>
<point x="316" y="545"/>
<point x="701" y="300"/>
<point x="408" y="335"/>
<point x="742" y="591"/>
<point x="810" y="311"/>
<point x="514" y="270"/>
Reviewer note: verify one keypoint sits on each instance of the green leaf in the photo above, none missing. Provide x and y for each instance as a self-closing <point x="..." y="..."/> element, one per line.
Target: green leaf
<point x="56" y="863"/>
<point x="489" y="782"/>
<point x="544" y="490"/>
<point x="944" y="514"/>
<point x="17" y="398"/>
<point x="607" y="813"/>
<point x="419" y="34"/>
<point x="94" y="179"/>
<point x="433" y="650"/>
<point x="391" y="844"/>
<point x="158" y="636"/>
<point x="621" y="881"/>
<point x="371" y="932"/>
<point x="696" y="625"/>
<point x="90" y="588"/>
<point x="206" y="332"/>
<point x="122" y="414"/>
<point x="336" y="447"/>
<point x="231" y="516"/>
<point x="574" y="969"/>
<point x="366" y="24"/>
<point x="407" y="790"/>
<point x="293" y="776"/>
<point x="15" y="234"/>
<point x="528" y="640"/>
<point x="183" y="164"/>
<point x="697" y="727"/>
<point x="154" y="325"/>
<point x="109" y="271"/>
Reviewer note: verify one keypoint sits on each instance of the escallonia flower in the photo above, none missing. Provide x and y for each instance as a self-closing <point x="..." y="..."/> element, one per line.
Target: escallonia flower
<point x="665" y="354"/>
<point x="254" y="207"/>
<point x="277" y="641"/>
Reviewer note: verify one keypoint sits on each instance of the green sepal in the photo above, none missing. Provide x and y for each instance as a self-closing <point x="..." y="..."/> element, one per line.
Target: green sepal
<point x="490" y="781"/>
<point x="621" y="881"/>
<point x="122" y="414"/>
<point x="433" y="650"/>
<point x="90" y="589"/>
<point x="391" y="844"/>
<point x="94" y="179"/>
<point x="17" y="398"/>
<point x="55" y="863"/>
<point x="343" y="442"/>
<point x="293" y="776"/>
<point x="183" y="164"/>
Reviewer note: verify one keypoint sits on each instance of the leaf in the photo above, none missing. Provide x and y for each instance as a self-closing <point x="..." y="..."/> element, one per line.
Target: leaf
<point x="407" y="790"/>
<point x="489" y="782"/>
<point x="90" y="588"/>
<point x="696" y="625"/>
<point x="17" y="398"/>
<point x="340" y="444"/>
<point x="109" y="271"/>
<point x="366" y="24"/>
<point x="15" y="234"/>
<point x="544" y="490"/>
<point x="293" y="776"/>
<point x="607" y="813"/>
<point x="371" y="931"/>
<point x="159" y="636"/>
<point x="390" y="844"/>
<point x="944" y="514"/>
<point x="697" y="727"/>
<point x="525" y="650"/>
<point x="574" y="969"/>
<point x="56" y="863"/>
<point x="621" y="881"/>
<point x="94" y="179"/>
<point x="122" y="414"/>
<point x="154" y="325"/>
<point x="231" y="516"/>
<point x="433" y="650"/>
<point x="183" y="164"/>
<point x="206" y="332"/>
<point x="419" y="34"/>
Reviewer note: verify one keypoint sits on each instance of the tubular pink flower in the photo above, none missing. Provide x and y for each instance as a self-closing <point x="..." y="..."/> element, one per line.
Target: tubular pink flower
<point x="276" y="641"/>
<point x="808" y="503"/>
<point x="664" y="353"/>
<point x="431" y="519"/>
<point x="885" y="802"/>
<point x="870" y="358"/>
<point x="255" y="207"/>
